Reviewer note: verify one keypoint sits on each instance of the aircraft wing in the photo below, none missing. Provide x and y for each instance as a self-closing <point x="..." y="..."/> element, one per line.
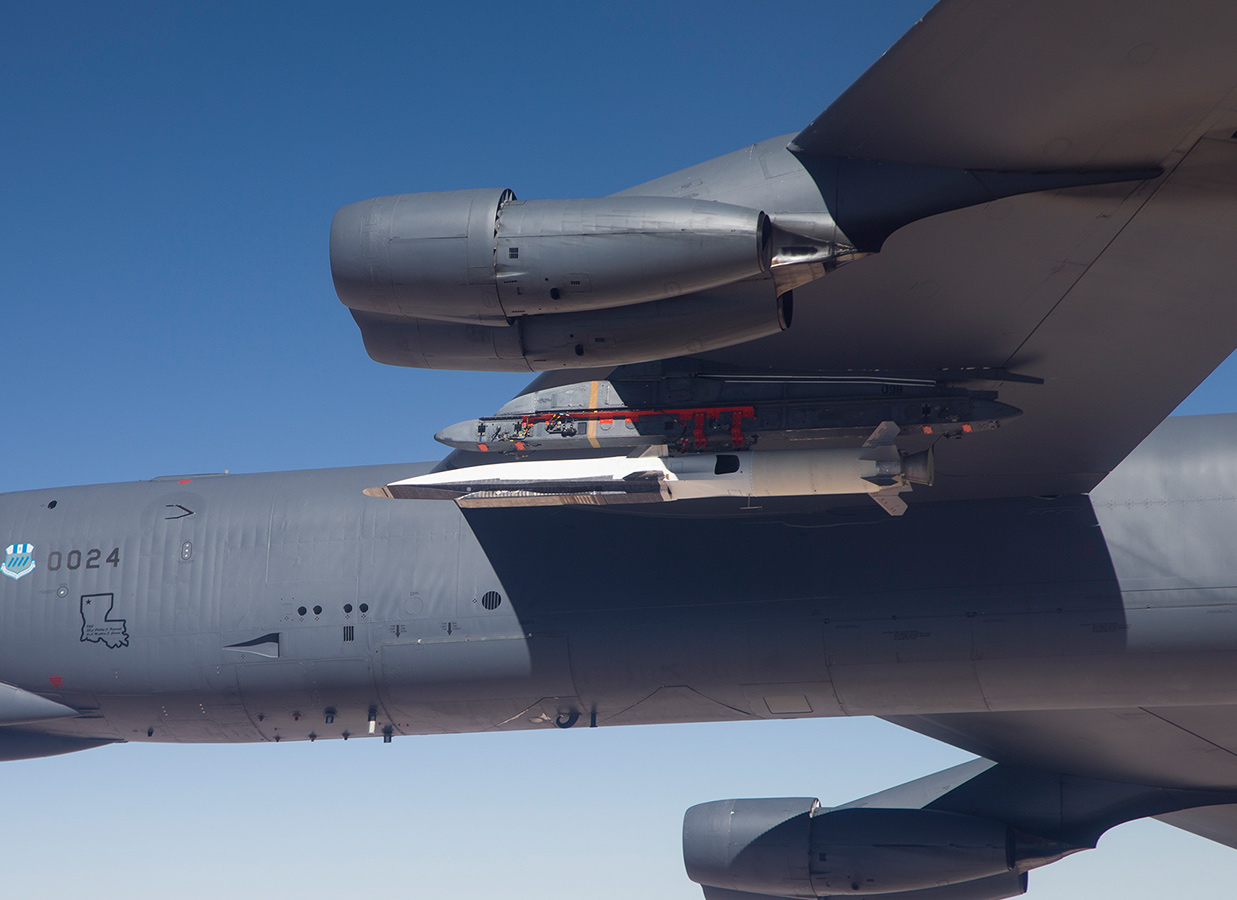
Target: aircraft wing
<point x="1052" y="85"/>
<point x="1119" y="296"/>
<point x="1191" y="747"/>
<point x="946" y="162"/>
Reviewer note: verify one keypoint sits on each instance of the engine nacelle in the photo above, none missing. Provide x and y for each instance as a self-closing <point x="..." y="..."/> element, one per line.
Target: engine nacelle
<point x="995" y="887"/>
<point x="793" y="848"/>
<point x="676" y="326"/>
<point x="755" y="846"/>
<point x="483" y="256"/>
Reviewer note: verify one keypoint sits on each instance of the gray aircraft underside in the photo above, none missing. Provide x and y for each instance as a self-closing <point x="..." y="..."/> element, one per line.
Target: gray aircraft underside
<point x="291" y="593"/>
<point x="967" y="291"/>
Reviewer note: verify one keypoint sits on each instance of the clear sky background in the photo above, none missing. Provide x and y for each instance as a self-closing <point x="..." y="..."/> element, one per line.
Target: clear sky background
<point x="168" y="174"/>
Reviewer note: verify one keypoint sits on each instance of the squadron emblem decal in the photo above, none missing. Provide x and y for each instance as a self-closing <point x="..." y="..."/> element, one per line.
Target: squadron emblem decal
<point x="18" y="560"/>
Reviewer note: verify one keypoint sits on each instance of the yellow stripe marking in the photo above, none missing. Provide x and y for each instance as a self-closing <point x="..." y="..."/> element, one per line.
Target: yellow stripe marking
<point x="591" y="430"/>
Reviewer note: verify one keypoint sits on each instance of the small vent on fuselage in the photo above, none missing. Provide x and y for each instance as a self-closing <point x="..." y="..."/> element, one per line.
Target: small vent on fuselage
<point x="491" y="599"/>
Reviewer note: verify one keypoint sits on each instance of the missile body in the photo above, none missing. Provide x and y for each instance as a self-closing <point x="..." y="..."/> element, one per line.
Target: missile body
<point x="877" y="470"/>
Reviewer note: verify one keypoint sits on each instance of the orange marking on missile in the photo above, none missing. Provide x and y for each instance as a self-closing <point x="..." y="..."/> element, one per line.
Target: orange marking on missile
<point x="591" y="428"/>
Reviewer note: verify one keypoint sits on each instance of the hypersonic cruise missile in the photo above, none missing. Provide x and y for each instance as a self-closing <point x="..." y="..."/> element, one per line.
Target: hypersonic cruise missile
<point x="877" y="468"/>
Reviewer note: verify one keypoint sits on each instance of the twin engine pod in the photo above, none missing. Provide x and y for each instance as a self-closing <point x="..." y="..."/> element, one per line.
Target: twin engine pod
<point x="479" y="280"/>
<point x="792" y="847"/>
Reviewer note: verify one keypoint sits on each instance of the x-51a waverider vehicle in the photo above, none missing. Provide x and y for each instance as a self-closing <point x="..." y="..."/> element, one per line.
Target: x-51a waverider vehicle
<point x="888" y="387"/>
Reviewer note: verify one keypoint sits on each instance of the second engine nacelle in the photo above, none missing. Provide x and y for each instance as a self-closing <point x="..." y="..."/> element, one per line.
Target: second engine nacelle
<point x="675" y="326"/>
<point x="483" y="256"/>
<point x="793" y="848"/>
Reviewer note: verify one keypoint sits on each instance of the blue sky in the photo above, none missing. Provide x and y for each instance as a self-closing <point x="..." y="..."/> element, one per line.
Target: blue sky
<point x="169" y="175"/>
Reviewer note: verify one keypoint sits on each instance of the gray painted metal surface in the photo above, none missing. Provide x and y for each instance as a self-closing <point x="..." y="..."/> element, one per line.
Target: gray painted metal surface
<point x="1077" y="629"/>
<point x="243" y="606"/>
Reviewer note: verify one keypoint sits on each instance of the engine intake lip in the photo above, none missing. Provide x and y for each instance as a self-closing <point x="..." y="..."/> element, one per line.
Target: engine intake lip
<point x="786" y="309"/>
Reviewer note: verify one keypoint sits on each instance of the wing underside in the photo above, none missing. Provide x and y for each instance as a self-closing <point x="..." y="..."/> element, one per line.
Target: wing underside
<point x="1119" y="298"/>
<point x="1191" y="747"/>
<point x="1053" y="85"/>
<point x="1111" y="297"/>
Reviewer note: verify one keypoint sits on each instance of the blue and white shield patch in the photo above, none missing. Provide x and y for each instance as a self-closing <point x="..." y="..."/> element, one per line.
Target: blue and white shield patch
<point x="18" y="560"/>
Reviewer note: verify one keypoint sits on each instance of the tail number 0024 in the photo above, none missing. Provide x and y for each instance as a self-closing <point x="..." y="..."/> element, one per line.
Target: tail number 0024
<point x="78" y="559"/>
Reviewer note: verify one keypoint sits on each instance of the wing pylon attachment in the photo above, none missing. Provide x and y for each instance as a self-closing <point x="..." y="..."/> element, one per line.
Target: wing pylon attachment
<point x="683" y="431"/>
<point x="878" y="468"/>
<point x="699" y="411"/>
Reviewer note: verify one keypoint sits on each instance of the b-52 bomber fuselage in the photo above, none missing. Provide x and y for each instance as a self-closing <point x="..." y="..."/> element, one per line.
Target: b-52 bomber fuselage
<point x="291" y="606"/>
<point x="967" y="291"/>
